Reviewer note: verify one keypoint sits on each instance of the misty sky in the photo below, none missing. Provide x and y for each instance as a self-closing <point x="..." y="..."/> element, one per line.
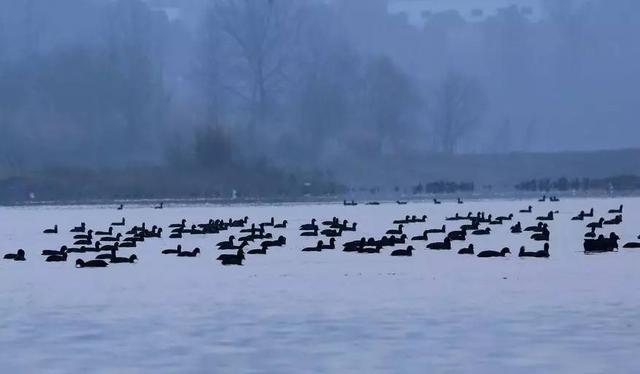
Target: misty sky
<point x="343" y="78"/>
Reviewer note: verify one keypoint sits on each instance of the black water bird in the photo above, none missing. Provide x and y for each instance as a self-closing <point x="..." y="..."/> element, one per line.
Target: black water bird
<point x="423" y="237"/>
<point x="317" y="248"/>
<point x="193" y="253"/>
<point x="548" y="217"/>
<point x="172" y="251"/>
<point x="80" y="228"/>
<point x="282" y="225"/>
<point x="616" y="211"/>
<point x="54" y="230"/>
<point x="403" y="252"/>
<point x="123" y="260"/>
<point x="57" y="258"/>
<point x="467" y="251"/>
<point x="176" y="225"/>
<point x="310" y="226"/>
<point x="615" y="221"/>
<point x="502" y="253"/>
<point x="444" y="245"/>
<point x="91" y="263"/>
<point x="486" y="231"/>
<point x="50" y="252"/>
<point x="18" y="256"/>
<point x="105" y="233"/>
<point x="601" y="244"/>
<point x="441" y="230"/>
<point x="274" y="243"/>
<point x="314" y="232"/>
<point x="597" y="224"/>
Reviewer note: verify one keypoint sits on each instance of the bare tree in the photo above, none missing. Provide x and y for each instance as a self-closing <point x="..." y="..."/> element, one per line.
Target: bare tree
<point x="262" y="32"/>
<point x="458" y="104"/>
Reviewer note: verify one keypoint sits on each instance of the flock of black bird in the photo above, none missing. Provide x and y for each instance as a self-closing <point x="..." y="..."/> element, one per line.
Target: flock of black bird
<point x="105" y="245"/>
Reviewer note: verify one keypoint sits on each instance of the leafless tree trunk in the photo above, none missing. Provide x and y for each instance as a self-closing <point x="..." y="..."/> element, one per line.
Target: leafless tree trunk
<point x="458" y="105"/>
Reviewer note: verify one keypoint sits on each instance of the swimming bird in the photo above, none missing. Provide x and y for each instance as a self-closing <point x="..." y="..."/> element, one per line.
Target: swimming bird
<point x="310" y="233"/>
<point x="123" y="260"/>
<point x="57" y="258"/>
<point x="229" y="257"/>
<point x="579" y="217"/>
<point x="424" y="236"/>
<point x="111" y="238"/>
<point x="274" y="243"/>
<point x="49" y="252"/>
<point x="441" y="230"/>
<point x="88" y="235"/>
<point x="397" y="231"/>
<point x="193" y="253"/>
<point x="615" y="221"/>
<point x="401" y="202"/>
<point x="537" y="228"/>
<point x="403" y="252"/>
<point x="176" y="225"/>
<point x="486" y="231"/>
<point x="80" y="228"/>
<point x="18" y="256"/>
<point x="403" y="221"/>
<point x="597" y="224"/>
<point x="616" y="211"/>
<point x="601" y="244"/>
<point x="460" y="201"/>
<point x="119" y="223"/>
<point x="172" y="251"/>
<point x="505" y="218"/>
<point x="467" y="251"/>
<point x="540" y="254"/>
<point x="460" y="235"/>
<point x="517" y="228"/>
<point x="632" y="245"/>
<point x="54" y="230"/>
<point x="590" y="214"/>
<point x="331" y="245"/>
<point x="436" y="202"/>
<point x="591" y="234"/>
<point x="258" y="251"/>
<point x="502" y="253"/>
<point x="91" y="264"/>
<point x="444" y="245"/>
<point x="548" y="217"/>
<point x="237" y="260"/>
<point x="331" y="233"/>
<point x="252" y="237"/>
<point x="120" y="207"/>
<point x="159" y="206"/>
<point x="310" y="226"/>
<point x="105" y="233"/>
<point x="282" y="225"/>
<point x="269" y="223"/>
<point x="541" y="236"/>
<point x="317" y="248"/>
<point x="528" y="210"/>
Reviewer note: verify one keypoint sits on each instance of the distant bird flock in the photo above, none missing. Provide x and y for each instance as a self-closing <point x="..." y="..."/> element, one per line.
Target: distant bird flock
<point x="100" y="248"/>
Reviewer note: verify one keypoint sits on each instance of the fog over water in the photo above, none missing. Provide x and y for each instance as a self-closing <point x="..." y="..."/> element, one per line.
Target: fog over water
<point x="305" y="85"/>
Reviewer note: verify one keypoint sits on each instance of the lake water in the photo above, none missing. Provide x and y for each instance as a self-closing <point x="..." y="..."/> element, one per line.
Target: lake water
<point x="293" y="312"/>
